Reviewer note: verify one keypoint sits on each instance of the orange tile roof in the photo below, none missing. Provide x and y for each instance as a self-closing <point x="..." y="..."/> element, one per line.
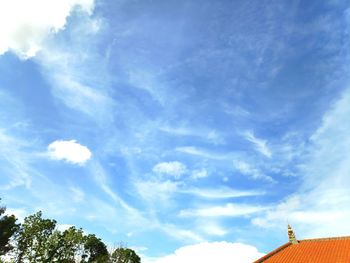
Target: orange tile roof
<point x="321" y="250"/>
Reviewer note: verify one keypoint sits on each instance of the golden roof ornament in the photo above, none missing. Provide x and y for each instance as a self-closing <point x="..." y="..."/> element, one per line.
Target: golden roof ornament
<point x="291" y="235"/>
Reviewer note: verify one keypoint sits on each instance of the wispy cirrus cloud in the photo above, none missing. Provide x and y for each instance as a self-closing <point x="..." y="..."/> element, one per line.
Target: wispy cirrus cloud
<point x="140" y="97"/>
<point x="228" y="210"/>
<point x="101" y="178"/>
<point x="213" y="229"/>
<point x="161" y="193"/>
<point x="77" y="194"/>
<point x="15" y="156"/>
<point x="183" y="234"/>
<point x="253" y="172"/>
<point x="320" y="207"/>
<point x="260" y="144"/>
<point x="196" y="151"/>
<point x="211" y="136"/>
<point x="220" y="192"/>
<point x="74" y="78"/>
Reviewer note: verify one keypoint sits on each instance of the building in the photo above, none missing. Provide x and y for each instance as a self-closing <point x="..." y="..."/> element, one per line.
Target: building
<point x="319" y="250"/>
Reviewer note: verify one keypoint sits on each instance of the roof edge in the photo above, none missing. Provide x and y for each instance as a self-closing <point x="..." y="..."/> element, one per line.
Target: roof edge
<point x="273" y="252"/>
<point x="324" y="238"/>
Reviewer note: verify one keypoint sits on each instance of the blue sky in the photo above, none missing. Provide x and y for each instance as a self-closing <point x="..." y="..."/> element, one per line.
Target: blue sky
<point x="176" y="125"/>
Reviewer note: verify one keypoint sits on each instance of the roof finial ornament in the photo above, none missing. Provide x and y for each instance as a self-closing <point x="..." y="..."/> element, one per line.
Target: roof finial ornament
<point x="291" y="235"/>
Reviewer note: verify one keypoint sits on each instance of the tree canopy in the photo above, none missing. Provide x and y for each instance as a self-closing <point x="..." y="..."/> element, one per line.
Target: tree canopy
<point x="8" y="227"/>
<point x="124" y="255"/>
<point x="38" y="240"/>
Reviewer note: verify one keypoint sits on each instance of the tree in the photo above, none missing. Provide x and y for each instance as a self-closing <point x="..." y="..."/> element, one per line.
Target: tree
<point x="33" y="240"/>
<point x="95" y="250"/>
<point x="8" y="228"/>
<point x="67" y="246"/>
<point x="125" y="255"/>
<point x="38" y="240"/>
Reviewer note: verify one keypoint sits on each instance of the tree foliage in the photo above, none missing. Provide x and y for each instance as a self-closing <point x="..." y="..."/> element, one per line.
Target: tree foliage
<point x="124" y="255"/>
<point x="37" y="240"/>
<point x="69" y="245"/>
<point x="95" y="249"/>
<point x="8" y="227"/>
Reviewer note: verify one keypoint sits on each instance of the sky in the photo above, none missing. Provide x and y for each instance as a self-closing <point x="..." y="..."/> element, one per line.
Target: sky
<point x="182" y="128"/>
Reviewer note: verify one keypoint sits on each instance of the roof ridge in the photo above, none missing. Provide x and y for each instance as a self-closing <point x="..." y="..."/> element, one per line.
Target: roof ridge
<point x="324" y="238"/>
<point x="273" y="252"/>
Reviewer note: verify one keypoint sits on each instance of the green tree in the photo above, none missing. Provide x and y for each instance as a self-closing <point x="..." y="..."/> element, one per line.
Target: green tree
<point x="95" y="250"/>
<point x="34" y="240"/>
<point x="124" y="255"/>
<point x="39" y="241"/>
<point x="67" y="246"/>
<point x="8" y="227"/>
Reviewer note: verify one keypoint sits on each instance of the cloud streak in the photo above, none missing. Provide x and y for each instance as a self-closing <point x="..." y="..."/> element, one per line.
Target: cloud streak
<point x="228" y="210"/>
<point x="220" y="193"/>
<point x="260" y="145"/>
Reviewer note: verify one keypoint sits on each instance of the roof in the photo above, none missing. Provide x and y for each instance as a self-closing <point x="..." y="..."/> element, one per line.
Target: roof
<point x="320" y="250"/>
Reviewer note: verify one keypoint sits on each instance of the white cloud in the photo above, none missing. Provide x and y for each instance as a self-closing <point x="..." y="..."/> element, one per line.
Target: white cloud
<point x="27" y="27"/>
<point x="223" y="252"/>
<point x="24" y="25"/>
<point x="260" y="145"/>
<point x="68" y="61"/>
<point x="246" y="169"/>
<point x="175" y="169"/>
<point x="228" y="210"/>
<point x="69" y="151"/>
<point x="198" y="174"/>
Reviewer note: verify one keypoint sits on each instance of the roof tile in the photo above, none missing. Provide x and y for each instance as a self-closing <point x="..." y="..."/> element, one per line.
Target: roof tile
<point x="322" y="250"/>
